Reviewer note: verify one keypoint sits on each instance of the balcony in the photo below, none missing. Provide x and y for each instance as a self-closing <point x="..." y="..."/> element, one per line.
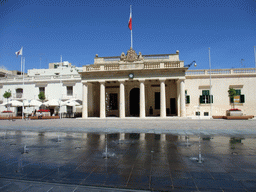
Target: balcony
<point x="129" y="66"/>
<point x="17" y="96"/>
<point x="69" y="96"/>
<point x="221" y="72"/>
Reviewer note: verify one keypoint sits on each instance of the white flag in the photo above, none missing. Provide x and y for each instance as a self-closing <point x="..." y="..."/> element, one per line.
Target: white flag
<point x="19" y="52"/>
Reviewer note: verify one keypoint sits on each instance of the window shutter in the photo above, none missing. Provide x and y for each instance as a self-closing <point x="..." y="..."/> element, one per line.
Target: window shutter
<point x="242" y="99"/>
<point x="205" y="92"/>
<point x="188" y="99"/>
<point x="238" y="92"/>
<point x="211" y="97"/>
<point x="231" y="99"/>
<point x="201" y="99"/>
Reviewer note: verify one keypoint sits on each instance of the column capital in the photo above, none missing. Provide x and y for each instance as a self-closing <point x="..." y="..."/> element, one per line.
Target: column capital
<point x="102" y="81"/>
<point x="180" y="80"/>
<point x="142" y="80"/>
<point x="121" y="81"/>
<point x="162" y="79"/>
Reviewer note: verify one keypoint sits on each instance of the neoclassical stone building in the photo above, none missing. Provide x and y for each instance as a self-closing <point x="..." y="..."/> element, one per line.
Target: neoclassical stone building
<point x="134" y="85"/>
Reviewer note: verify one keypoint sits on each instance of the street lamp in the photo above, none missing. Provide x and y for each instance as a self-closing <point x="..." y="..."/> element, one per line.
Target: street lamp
<point x="189" y="65"/>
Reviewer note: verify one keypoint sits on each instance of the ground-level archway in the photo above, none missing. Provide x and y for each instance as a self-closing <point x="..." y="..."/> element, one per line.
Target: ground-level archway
<point x="135" y="102"/>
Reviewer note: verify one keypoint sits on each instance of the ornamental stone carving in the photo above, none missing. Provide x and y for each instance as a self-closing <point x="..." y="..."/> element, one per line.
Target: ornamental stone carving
<point x="123" y="56"/>
<point x="131" y="55"/>
<point x="140" y="56"/>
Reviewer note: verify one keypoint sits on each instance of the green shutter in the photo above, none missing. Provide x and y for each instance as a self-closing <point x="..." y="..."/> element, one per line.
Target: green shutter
<point x="242" y="99"/>
<point x="201" y="99"/>
<point x="205" y="92"/>
<point x="188" y="99"/>
<point x="238" y="92"/>
<point x="231" y="99"/>
<point x="211" y="97"/>
<point x="186" y="92"/>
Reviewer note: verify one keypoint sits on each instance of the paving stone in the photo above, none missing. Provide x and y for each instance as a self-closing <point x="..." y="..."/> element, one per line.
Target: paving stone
<point x="149" y="164"/>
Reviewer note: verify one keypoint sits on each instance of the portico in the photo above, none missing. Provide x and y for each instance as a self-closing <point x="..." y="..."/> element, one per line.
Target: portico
<point x="134" y="86"/>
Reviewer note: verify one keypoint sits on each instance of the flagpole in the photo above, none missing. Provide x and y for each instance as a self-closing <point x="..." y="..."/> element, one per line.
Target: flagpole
<point x="210" y="82"/>
<point x="21" y="65"/>
<point x="23" y="88"/>
<point x="131" y="29"/>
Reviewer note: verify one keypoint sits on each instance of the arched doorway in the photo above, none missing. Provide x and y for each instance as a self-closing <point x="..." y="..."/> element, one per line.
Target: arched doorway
<point x="135" y="102"/>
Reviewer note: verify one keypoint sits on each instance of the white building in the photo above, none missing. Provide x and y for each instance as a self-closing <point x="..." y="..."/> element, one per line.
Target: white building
<point x="134" y="85"/>
<point x="160" y="85"/>
<point x="61" y="82"/>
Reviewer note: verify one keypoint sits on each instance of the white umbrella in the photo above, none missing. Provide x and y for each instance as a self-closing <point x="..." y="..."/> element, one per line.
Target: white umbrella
<point x="71" y="103"/>
<point x="53" y="103"/>
<point x="13" y="103"/>
<point x="32" y="103"/>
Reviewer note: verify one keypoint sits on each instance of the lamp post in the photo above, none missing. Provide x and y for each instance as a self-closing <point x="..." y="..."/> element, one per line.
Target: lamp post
<point x="189" y="65"/>
<point x="210" y="82"/>
<point x="60" y="96"/>
<point x="254" y="56"/>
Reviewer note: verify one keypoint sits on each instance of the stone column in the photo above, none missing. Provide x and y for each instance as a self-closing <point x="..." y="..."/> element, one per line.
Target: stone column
<point x="182" y="99"/>
<point x="122" y="136"/>
<point x="122" y="101"/>
<point x="178" y="97"/>
<point x="162" y="98"/>
<point x="85" y="100"/>
<point x="142" y="99"/>
<point x="102" y="100"/>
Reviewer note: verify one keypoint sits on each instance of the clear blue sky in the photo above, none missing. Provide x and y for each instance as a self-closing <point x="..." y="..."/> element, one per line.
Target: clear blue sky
<point x="78" y="30"/>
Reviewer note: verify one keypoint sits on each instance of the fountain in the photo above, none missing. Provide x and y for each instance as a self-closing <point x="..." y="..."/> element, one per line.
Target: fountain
<point x="58" y="140"/>
<point x="200" y="160"/>
<point x="106" y="154"/>
<point x="25" y="150"/>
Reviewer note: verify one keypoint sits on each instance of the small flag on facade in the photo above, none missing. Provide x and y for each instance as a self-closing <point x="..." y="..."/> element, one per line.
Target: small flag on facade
<point x="19" y="52"/>
<point x="130" y="22"/>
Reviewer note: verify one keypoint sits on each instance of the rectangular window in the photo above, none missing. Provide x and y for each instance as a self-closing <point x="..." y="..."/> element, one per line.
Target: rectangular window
<point x="238" y="98"/>
<point x="41" y="89"/>
<point x="69" y="90"/>
<point x="206" y="97"/>
<point x="69" y="109"/>
<point x="157" y="100"/>
<point x="113" y="102"/>
<point x="187" y="97"/>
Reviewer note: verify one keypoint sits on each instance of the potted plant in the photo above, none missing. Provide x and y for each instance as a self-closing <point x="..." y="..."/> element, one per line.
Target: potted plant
<point x="233" y="111"/>
<point x="7" y="95"/>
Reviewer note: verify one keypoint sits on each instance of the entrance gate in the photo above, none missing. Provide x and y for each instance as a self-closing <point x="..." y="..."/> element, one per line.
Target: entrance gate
<point x="135" y="102"/>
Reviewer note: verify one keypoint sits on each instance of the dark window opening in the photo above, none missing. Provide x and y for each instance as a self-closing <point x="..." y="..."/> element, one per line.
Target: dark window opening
<point x="69" y="90"/>
<point x="113" y="101"/>
<point x="157" y="100"/>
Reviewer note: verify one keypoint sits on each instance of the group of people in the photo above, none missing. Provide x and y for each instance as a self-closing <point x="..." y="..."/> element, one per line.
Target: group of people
<point x="39" y="116"/>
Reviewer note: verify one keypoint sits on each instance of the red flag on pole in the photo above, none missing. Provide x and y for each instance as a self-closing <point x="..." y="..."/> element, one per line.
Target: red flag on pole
<point x="130" y="22"/>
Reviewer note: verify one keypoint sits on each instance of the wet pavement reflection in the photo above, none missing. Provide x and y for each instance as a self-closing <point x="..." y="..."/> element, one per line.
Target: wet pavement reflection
<point x="141" y="161"/>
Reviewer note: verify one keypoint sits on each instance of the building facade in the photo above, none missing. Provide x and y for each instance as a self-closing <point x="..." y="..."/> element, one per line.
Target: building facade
<point x="136" y="85"/>
<point x="61" y="83"/>
<point x="142" y="86"/>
